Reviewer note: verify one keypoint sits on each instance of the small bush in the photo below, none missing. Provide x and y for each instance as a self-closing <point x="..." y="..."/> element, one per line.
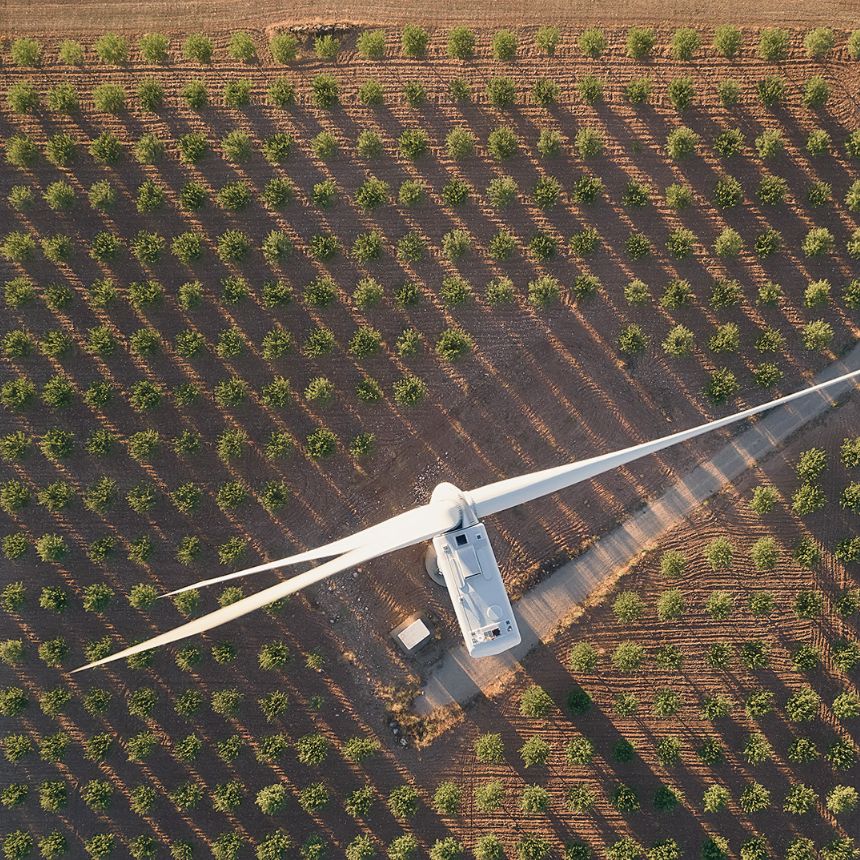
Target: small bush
<point x="460" y="143"/>
<point x="236" y="146"/>
<point x="192" y="147"/>
<point x="852" y="197"/>
<point x="586" y="189"/>
<point x="453" y="343"/>
<point x="241" y="47"/>
<point x="768" y="243"/>
<point x="816" y="92"/>
<point x="502" y="143"/>
<point x="632" y="340"/>
<point x="818" y="43"/>
<point x="61" y="149"/>
<point x="770" y="143"/>
<point x="26" y="52"/>
<point x="447" y="798"/>
<point x="811" y="465"/>
<point x="589" y="142"/>
<point x="150" y="94"/>
<point x="324" y="91"/>
<point x="728" y="192"/>
<point x="719" y="554"/>
<point x="283" y="47"/>
<point x="728" y="243"/>
<point x="590" y="89"/>
<point x="21" y="151"/>
<point x="628" y="657"/>
<point x="327" y="47"/>
<point x="638" y="91"/>
<point x="636" y="194"/>
<point x="502" y="92"/>
<point x="413" y="143"/>
<point x="722" y="385"/>
<point x="63" y="98"/>
<point x="371" y="44"/>
<point x="681" y="92"/>
<point x="535" y="702"/>
<point x="414" y="93"/>
<point x="772" y="189"/>
<point x="681" y="142"/>
<point x="680" y="243"/>
<point x="640" y="42"/>
<point x="369" y="144"/>
<point x="679" y="196"/>
<point x="685" y="43"/>
<point x="544" y="291"/>
<point x="818" y="241"/>
<point x="592" y="42"/>
<point x="679" y="341"/>
<point x="198" y="48"/>
<point x="372" y="194"/>
<point x="461" y="43"/>
<point x="728" y="41"/>
<point x="413" y="41"/>
<point x="112" y="49"/>
<point x="547" y="40"/>
<point x="728" y="92"/>
<point x="771" y="90"/>
<point x="535" y="751"/>
<point x="504" y="45"/>
<point x="773" y="44"/>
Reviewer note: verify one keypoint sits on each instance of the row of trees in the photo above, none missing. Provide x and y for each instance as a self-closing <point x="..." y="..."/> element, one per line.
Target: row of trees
<point x="461" y="144"/>
<point x="773" y="44"/>
<point x="682" y="92"/>
<point x="501" y="192"/>
<point x="456" y="245"/>
<point x="531" y="846"/>
<point x="234" y="245"/>
<point x="369" y="293"/>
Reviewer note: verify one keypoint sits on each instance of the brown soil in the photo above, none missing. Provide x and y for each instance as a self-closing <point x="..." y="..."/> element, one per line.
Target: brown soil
<point x="96" y="16"/>
<point x="542" y="387"/>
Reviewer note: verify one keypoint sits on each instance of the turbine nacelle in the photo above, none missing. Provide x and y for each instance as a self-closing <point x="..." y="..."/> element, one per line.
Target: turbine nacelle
<point x="468" y="568"/>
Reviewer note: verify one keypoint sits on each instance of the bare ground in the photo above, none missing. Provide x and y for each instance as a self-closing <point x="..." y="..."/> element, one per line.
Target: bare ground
<point x="549" y="387"/>
<point x="96" y="16"/>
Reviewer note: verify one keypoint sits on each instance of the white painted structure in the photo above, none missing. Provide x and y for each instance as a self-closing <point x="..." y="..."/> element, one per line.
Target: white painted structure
<point x="478" y="594"/>
<point x="414" y="635"/>
<point x="469" y="569"/>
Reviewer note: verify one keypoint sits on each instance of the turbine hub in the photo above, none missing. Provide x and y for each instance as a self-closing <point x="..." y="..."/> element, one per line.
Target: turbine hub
<point x="452" y="495"/>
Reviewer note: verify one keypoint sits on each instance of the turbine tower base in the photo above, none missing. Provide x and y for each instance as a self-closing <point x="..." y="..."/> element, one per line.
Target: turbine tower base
<point x="431" y="565"/>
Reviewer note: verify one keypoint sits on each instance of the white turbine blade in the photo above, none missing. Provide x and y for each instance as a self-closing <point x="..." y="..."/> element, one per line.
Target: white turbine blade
<point x="445" y="516"/>
<point x="501" y="495"/>
<point x="433" y="518"/>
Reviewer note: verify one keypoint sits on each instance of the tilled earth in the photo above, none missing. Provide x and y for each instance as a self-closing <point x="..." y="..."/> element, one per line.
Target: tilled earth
<point x="541" y="387"/>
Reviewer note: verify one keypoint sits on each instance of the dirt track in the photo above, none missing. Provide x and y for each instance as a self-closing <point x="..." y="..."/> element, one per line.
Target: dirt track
<point x="132" y="15"/>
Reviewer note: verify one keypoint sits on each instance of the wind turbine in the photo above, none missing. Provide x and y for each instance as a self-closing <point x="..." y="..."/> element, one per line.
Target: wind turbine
<point x="452" y="522"/>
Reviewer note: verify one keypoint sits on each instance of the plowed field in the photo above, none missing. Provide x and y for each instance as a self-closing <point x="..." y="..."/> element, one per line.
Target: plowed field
<point x="104" y="340"/>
